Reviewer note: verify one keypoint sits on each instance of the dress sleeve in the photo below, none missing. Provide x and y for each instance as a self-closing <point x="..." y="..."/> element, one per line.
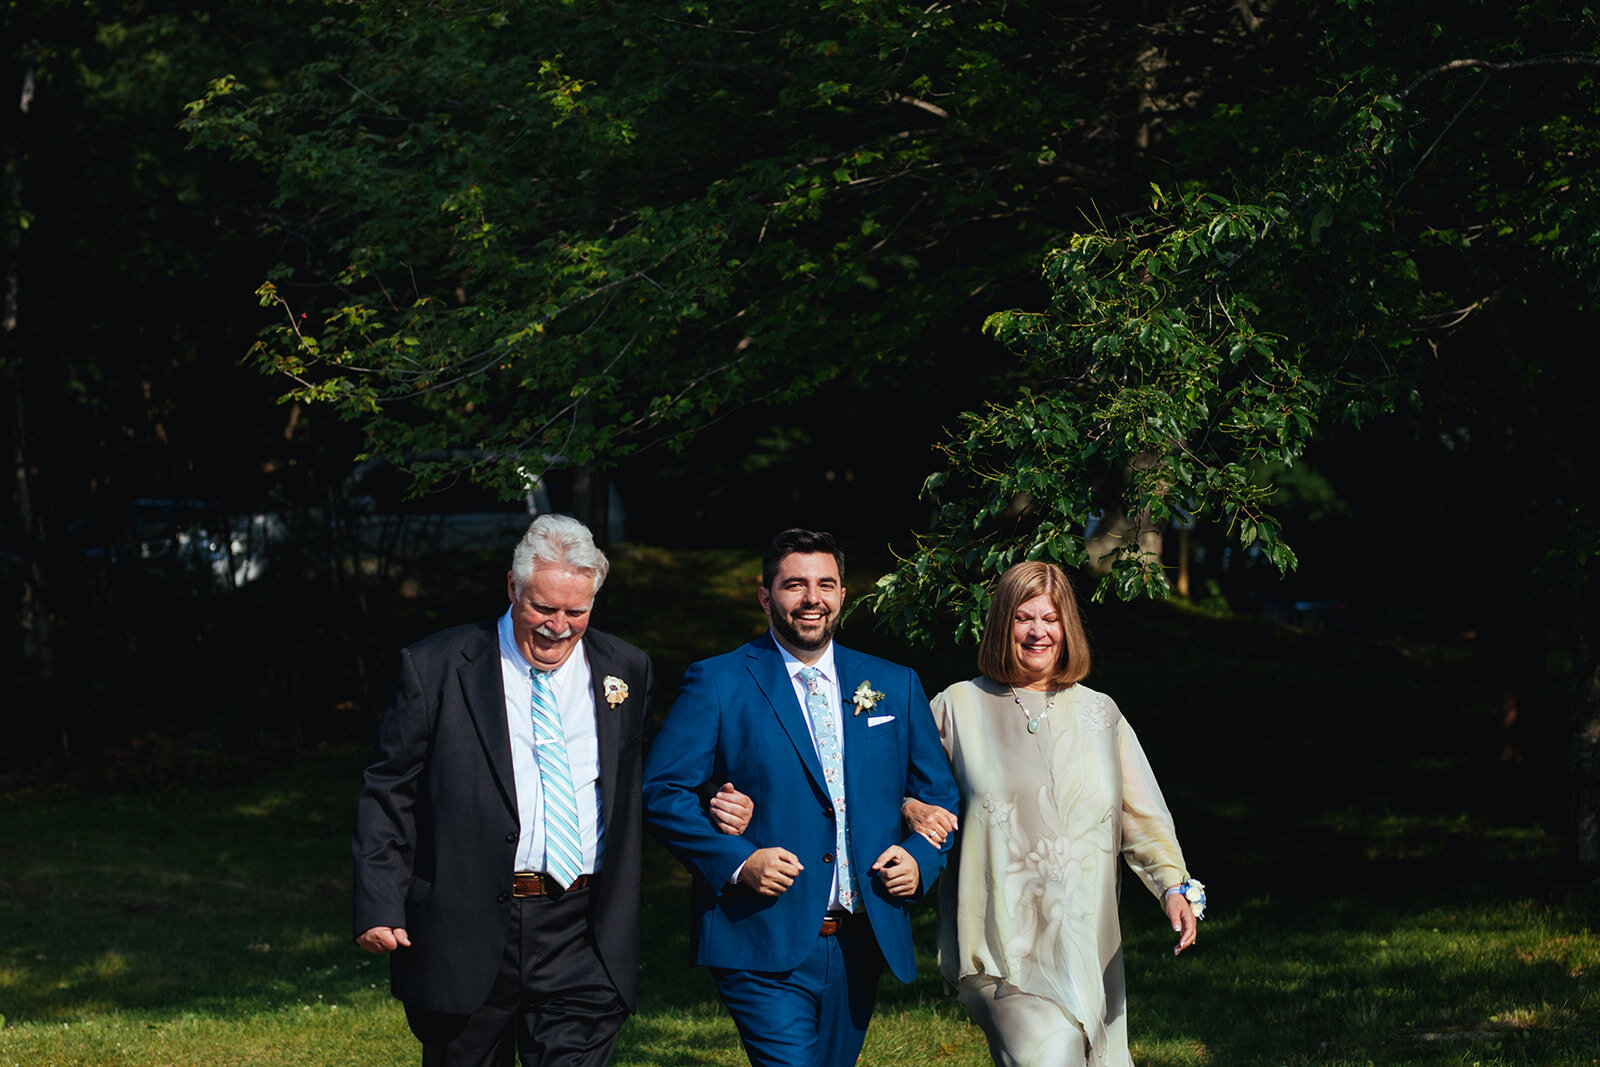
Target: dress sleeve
<point x="945" y="721"/>
<point x="1149" y="838"/>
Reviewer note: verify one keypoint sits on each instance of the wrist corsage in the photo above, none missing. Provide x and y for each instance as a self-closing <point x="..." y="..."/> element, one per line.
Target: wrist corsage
<point x="1194" y="891"/>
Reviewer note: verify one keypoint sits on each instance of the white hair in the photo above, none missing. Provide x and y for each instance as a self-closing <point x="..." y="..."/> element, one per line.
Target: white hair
<point x="562" y="542"/>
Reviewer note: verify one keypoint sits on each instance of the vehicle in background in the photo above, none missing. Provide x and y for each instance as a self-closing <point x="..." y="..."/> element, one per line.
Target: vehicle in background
<point x="370" y="522"/>
<point x="201" y="543"/>
<point x="456" y="516"/>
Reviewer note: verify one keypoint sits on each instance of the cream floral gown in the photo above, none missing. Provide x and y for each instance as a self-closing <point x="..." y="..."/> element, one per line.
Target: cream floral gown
<point x="1029" y="895"/>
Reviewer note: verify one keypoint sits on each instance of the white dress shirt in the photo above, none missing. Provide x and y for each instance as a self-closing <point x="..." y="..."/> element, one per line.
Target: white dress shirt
<point x="572" y="684"/>
<point x="829" y="681"/>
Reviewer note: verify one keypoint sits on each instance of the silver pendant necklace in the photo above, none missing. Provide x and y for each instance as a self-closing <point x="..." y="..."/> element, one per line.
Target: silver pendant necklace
<point x="1034" y="721"/>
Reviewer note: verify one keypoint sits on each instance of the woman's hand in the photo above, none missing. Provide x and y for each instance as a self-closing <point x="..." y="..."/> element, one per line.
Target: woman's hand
<point x="1181" y="916"/>
<point x="929" y="820"/>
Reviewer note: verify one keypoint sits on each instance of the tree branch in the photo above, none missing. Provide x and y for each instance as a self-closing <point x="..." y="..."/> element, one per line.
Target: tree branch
<point x="1552" y="59"/>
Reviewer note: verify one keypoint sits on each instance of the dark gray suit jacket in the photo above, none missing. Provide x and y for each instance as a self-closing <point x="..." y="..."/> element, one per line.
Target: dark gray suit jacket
<point x="436" y="827"/>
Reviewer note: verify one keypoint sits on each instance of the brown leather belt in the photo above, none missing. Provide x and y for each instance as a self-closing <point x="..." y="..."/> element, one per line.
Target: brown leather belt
<point x="832" y="921"/>
<point x="539" y="884"/>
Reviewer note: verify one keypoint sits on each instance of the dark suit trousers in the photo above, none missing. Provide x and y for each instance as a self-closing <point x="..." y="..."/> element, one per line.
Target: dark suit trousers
<point x="552" y="1001"/>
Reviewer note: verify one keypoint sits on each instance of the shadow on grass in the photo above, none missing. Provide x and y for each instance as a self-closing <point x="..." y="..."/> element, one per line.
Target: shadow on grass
<point x="1372" y="981"/>
<point x="183" y="899"/>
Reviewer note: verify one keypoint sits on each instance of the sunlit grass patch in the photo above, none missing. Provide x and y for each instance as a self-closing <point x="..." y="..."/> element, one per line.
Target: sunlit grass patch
<point x="269" y="805"/>
<point x="702" y="1034"/>
<point x="938" y="1034"/>
<point x="1385" y="984"/>
<point x="1176" y="1052"/>
<point x="298" y="1034"/>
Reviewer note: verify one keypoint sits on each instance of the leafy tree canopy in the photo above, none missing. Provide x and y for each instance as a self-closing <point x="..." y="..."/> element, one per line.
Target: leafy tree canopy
<point x="1424" y="235"/>
<point x="554" y="232"/>
<point x="562" y="232"/>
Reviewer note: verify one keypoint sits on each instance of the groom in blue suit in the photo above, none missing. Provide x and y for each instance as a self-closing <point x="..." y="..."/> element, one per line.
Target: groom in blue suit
<point x="797" y="916"/>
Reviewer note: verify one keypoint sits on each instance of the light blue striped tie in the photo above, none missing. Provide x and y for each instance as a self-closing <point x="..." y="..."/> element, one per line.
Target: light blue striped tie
<point x="832" y="756"/>
<point x="563" y="848"/>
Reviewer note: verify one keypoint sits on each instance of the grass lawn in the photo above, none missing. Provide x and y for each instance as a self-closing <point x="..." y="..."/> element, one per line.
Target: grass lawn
<point x="1383" y="890"/>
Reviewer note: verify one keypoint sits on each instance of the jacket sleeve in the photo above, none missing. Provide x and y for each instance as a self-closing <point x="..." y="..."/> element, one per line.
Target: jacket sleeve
<point x="384" y="843"/>
<point x="681" y="760"/>
<point x="929" y="780"/>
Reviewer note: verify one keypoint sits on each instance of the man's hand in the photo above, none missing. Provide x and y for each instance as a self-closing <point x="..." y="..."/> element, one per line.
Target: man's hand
<point x="731" y="809"/>
<point x="770" y="871"/>
<point x="1181" y="916"/>
<point x="384" y="939"/>
<point x="929" y="820"/>
<point x="898" y="871"/>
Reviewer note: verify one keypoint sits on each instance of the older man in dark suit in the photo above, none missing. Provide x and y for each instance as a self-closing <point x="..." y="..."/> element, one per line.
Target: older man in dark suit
<point x="497" y="838"/>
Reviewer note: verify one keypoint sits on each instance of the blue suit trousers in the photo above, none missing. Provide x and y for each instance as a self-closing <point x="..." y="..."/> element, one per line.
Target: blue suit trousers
<point x="815" y="1015"/>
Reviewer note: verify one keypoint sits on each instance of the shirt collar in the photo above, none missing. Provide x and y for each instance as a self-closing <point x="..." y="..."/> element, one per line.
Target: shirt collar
<point x="519" y="663"/>
<point x="824" y="664"/>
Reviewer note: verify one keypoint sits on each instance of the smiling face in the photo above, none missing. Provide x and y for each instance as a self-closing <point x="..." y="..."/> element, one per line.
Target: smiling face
<point x="1037" y="638"/>
<point x="803" y="603"/>
<point x="550" y="613"/>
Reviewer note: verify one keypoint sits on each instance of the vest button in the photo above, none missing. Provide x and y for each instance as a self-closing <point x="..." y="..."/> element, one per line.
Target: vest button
<point x="827" y="857"/>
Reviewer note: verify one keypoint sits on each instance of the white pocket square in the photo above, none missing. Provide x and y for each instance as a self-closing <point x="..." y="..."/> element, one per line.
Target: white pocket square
<point x="879" y="720"/>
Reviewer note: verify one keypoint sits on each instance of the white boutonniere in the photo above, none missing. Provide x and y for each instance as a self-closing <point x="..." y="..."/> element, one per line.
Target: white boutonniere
<point x="616" y="690"/>
<point x="866" y="697"/>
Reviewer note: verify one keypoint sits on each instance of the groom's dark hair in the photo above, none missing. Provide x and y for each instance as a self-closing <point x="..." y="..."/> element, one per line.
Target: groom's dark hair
<point x="795" y="540"/>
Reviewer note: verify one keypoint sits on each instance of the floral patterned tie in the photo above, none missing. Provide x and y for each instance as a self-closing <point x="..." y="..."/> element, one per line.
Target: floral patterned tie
<point x="832" y="756"/>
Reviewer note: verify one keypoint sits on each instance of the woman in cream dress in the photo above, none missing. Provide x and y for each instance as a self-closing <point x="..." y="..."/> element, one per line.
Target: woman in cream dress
<point x="1054" y="789"/>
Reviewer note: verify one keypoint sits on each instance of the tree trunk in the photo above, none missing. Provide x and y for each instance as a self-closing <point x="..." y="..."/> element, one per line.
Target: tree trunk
<point x="1117" y="530"/>
<point x="591" y="502"/>
<point x="38" y="642"/>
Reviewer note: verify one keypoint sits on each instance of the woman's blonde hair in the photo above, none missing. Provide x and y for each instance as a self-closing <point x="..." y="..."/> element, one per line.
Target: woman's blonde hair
<point x="997" y="654"/>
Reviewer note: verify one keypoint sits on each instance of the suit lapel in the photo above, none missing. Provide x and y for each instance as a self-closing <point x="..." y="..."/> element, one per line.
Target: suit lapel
<point x="766" y="668"/>
<point x="608" y="722"/>
<point x="484" y="691"/>
<point x="852" y="672"/>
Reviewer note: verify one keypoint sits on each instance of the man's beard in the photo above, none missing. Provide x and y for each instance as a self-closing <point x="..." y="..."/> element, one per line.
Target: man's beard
<point x="786" y="630"/>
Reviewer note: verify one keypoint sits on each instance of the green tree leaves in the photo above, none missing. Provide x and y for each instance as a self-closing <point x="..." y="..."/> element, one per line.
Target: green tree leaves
<point x="606" y="226"/>
<point x="1209" y="337"/>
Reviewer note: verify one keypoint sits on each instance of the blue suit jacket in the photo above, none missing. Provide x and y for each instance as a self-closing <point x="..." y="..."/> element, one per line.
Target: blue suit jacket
<point x="737" y="719"/>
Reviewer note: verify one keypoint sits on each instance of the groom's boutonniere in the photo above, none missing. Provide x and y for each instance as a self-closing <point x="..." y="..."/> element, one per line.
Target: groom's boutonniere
<point x="866" y="697"/>
<point x="616" y="690"/>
